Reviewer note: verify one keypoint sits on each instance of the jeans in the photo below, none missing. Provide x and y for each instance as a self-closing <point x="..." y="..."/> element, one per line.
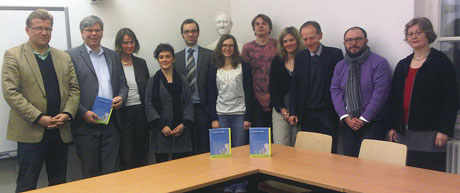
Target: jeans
<point x="31" y="156"/>
<point x="352" y="139"/>
<point x="261" y="118"/>
<point x="240" y="136"/>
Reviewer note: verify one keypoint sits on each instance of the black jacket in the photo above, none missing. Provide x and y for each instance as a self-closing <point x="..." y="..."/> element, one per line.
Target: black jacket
<point x="141" y="72"/>
<point x="299" y="82"/>
<point x="280" y="81"/>
<point x="433" y="103"/>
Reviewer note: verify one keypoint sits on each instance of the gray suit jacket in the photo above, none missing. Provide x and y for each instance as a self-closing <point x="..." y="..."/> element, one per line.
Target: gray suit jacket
<point x="89" y="85"/>
<point x="203" y="66"/>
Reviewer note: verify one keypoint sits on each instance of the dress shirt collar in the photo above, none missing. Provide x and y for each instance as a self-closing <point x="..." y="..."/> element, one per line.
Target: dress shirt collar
<point x="195" y="48"/>
<point x="318" y="52"/>
<point x="89" y="50"/>
<point x="44" y="55"/>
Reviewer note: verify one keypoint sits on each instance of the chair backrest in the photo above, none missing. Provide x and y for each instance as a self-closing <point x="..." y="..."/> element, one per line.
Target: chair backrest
<point x="384" y="151"/>
<point x="314" y="141"/>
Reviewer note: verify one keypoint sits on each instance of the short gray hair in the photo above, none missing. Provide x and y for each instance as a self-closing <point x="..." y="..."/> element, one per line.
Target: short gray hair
<point x="425" y="26"/>
<point x="90" y="21"/>
<point x="39" y="14"/>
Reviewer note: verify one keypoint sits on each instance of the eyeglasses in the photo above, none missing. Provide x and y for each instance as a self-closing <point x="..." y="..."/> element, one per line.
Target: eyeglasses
<point x="191" y="31"/>
<point x="227" y="45"/>
<point x="350" y="40"/>
<point x="417" y="33"/>
<point x="40" y="29"/>
<point x="93" y="30"/>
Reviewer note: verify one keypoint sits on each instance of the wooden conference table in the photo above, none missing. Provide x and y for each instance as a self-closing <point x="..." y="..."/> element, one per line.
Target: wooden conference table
<point x="333" y="172"/>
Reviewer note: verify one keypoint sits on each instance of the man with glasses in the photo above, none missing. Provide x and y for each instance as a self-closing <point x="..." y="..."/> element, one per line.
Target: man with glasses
<point x="193" y="62"/>
<point x="99" y="73"/>
<point x="359" y="89"/>
<point x="310" y="102"/>
<point x="40" y="85"/>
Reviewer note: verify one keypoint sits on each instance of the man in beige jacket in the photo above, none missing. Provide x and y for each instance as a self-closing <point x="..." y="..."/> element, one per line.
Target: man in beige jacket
<point x="40" y="85"/>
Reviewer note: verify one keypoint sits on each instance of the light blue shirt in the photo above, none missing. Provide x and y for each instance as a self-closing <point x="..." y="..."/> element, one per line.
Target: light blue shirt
<point x="102" y="72"/>
<point x="196" y="94"/>
<point x="318" y="52"/>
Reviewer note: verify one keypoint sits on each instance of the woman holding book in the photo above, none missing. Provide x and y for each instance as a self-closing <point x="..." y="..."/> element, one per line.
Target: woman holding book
<point x="134" y="134"/>
<point x="169" y="108"/>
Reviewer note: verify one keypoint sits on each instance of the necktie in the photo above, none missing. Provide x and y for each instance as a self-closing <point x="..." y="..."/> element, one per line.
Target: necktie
<point x="313" y="65"/>
<point x="191" y="70"/>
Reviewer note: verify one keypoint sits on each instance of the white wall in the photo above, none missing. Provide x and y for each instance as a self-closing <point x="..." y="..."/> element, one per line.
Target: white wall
<point x="383" y="20"/>
<point x="158" y="21"/>
<point x="153" y="21"/>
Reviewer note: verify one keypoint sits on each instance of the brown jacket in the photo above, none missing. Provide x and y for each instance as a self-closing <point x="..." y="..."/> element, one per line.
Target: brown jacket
<point x="24" y="91"/>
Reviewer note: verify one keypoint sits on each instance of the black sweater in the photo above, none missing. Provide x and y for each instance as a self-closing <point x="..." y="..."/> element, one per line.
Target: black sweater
<point x="433" y="103"/>
<point x="280" y="81"/>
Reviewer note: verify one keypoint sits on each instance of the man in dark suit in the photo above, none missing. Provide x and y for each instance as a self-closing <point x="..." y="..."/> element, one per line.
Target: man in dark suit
<point x="99" y="73"/>
<point x="310" y="102"/>
<point x="193" y="62"/>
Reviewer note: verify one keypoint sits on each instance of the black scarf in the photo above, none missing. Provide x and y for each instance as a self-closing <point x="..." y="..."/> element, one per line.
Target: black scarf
<point x="158" y="78"/>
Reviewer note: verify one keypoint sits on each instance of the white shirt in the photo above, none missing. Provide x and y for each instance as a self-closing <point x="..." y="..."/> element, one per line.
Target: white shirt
<point x="133" y="93"/>
<point x="230" y="98"/>
<point x="102" y="72"/>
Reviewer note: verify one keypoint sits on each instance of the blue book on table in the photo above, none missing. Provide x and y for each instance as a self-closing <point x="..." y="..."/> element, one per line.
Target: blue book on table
<point x="260" y="142"/>
<point x="103" y="108"/>
<point x="220" y="142"/>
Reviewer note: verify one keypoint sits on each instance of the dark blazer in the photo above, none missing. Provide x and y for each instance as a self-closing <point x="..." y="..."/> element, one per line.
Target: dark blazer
<point x="141" y="72"/>
<point x="203" y="65"/>
<point x="247" y="87"/>
<point x="433" y="104"/>
<point x="89" y="85"/>
<point x="299" y="89"/>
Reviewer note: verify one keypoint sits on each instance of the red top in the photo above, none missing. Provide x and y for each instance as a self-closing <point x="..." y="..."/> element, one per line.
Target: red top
<point x="408" y="92"/>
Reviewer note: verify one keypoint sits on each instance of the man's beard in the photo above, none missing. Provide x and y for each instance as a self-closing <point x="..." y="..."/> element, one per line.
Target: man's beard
<point x="357" y="53"/>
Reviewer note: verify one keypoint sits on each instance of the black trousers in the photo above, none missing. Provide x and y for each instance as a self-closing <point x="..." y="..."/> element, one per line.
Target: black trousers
<point x="98" y="151"/>
<point x="261" y="118"/>
<point x="323" y="121"/>
<point x="162" y="157"/>
<point x="200" y="130"/>
<point x="428" y="160"/>
<point x="31" y="156"/>
<point x="134" y="138"/>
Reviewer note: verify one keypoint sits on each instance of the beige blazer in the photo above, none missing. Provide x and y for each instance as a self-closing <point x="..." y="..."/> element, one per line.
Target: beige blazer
<point x="24" y="91"/>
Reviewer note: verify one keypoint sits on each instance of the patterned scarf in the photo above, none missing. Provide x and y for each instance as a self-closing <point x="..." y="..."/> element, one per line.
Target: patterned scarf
<point x="353" y="88"/>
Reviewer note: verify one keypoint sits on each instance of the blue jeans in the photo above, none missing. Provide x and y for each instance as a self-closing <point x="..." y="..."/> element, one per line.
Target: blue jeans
<point x="239" y="137"/>
<point x="31" y="156"/>
<point x="352" y="139"/>
<point x="235" y="123"/>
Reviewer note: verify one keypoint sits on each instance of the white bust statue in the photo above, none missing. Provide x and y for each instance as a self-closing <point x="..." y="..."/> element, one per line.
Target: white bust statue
<point x="223" y="26"/>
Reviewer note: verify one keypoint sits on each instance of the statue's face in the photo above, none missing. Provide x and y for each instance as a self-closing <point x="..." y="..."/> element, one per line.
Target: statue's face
<point x="223" y="24"/>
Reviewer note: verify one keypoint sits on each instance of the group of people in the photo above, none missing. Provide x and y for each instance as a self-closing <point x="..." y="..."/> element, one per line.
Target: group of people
<point x="290" y="84"/>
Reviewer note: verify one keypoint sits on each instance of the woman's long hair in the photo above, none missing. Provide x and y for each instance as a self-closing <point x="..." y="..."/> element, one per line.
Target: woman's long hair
<point x="218" y="57"/>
